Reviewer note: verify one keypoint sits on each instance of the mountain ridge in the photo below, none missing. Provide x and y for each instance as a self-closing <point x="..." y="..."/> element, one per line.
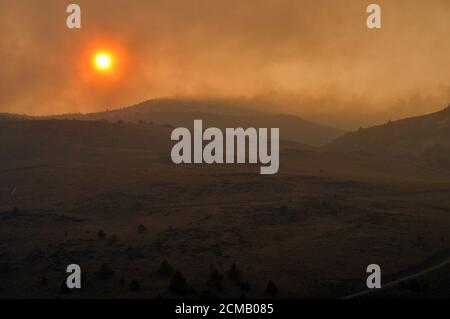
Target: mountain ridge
<point x="218" y="113"/>
<point x="424" y="139"/>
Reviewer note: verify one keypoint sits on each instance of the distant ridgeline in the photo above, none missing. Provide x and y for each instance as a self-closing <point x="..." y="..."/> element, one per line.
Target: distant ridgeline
<point x="424" y="139"/>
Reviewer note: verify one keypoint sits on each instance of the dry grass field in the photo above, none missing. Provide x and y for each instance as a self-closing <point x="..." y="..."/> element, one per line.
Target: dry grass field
<point x="83" y="193"/>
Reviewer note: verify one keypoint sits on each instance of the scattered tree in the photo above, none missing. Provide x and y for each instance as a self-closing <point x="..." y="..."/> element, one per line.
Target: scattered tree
<point x="215" y="280"/>
<point x="141" y="229"/>
<point x="112" y="240"/>
<point x="234" y="274"/>
<point x="208" y="295"/>
<point x="178" y="284"/>
<point x="101" y="234"/>
<point x="416" y="286"/>
<point x="245" y="286"/>
<point x="165" y="269"/>
<point x="104" y="273"/>
<point x="135" y="286"/>
<point x="64" y="287"/>
<point x="5" y="268"/>
<point x="44" y="280"/>
<point x="271" y="289"/>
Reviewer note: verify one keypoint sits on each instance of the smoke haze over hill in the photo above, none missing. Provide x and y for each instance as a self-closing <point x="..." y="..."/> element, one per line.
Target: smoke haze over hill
<point x="315" y="59"/>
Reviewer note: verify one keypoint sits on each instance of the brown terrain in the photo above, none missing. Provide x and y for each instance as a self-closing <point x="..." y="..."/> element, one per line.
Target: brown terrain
<point x="101" y="192"/>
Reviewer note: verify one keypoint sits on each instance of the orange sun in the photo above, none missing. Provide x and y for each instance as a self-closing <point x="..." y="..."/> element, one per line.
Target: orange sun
<point x="103" y="61"/>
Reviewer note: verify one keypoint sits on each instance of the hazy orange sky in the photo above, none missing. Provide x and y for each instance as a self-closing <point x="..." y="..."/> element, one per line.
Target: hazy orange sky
<point x="312" y="58"/>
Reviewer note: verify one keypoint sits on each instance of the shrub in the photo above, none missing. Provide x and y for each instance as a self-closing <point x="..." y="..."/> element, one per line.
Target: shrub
<point x="112" y="240"/>
<point x="416" y="286"/>
<point x="165" y="269"/>
<point x="101" y="234"/>
<point x="5" y="268"/>
<point x="215" y="280"/>
<point x="135" y="286"/>
<point x="178" y="284"/>
<point x="44" y="280"/>
<point x="271" y="289"/>
<point x="234" y="273"/>
<point x="64" y="287"/>
<point x="104" y="273"/>
<point x="245" y="286"/>
<point x="208" y="295"/>
<point x="141" y="229"/>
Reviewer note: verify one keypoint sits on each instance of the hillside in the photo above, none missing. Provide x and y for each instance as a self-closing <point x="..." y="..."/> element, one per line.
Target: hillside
<point x="9" y="117"/>
<point x="66" y="139"/>
<point x="82" y="191"/>
<point x="424" y="139"/>
<point x="219" y="114"/>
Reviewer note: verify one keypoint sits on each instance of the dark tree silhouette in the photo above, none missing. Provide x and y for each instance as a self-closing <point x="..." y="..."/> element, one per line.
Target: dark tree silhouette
<point x="64" y="287"/>
<point x="141" y="229"/>
<point x="5" y="268"/>
<point x="104" y="273"/>
<point x="178" y="284"/>
<point x="44" y="280"/>
<point x="245" y="286"/>
<point x="165" y="269"/>
<point x="208" y="295"/>
<point x="271" y="289"/>
<point x="215" y="280"/>
<point x="135" y="286"/>
<point x="112" y="240"/>
<point x="234" y="273"/>
<point x="101" y="234"/>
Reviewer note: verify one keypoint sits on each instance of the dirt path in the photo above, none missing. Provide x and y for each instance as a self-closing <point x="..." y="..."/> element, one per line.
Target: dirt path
<point x="400" y="280"/>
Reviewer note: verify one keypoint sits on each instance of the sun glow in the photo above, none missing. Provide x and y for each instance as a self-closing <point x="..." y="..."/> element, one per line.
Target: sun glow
<point x="103" y="61"/>
<point x="103" y="64"/>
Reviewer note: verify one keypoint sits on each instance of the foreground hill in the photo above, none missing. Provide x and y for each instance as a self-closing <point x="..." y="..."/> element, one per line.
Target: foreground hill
<point x="69" y="140"/>
<point x="219" y="114"/>
<point x="424" y="139"/>
<point x="21" y="139"/>
<point x="97" y="193"/>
